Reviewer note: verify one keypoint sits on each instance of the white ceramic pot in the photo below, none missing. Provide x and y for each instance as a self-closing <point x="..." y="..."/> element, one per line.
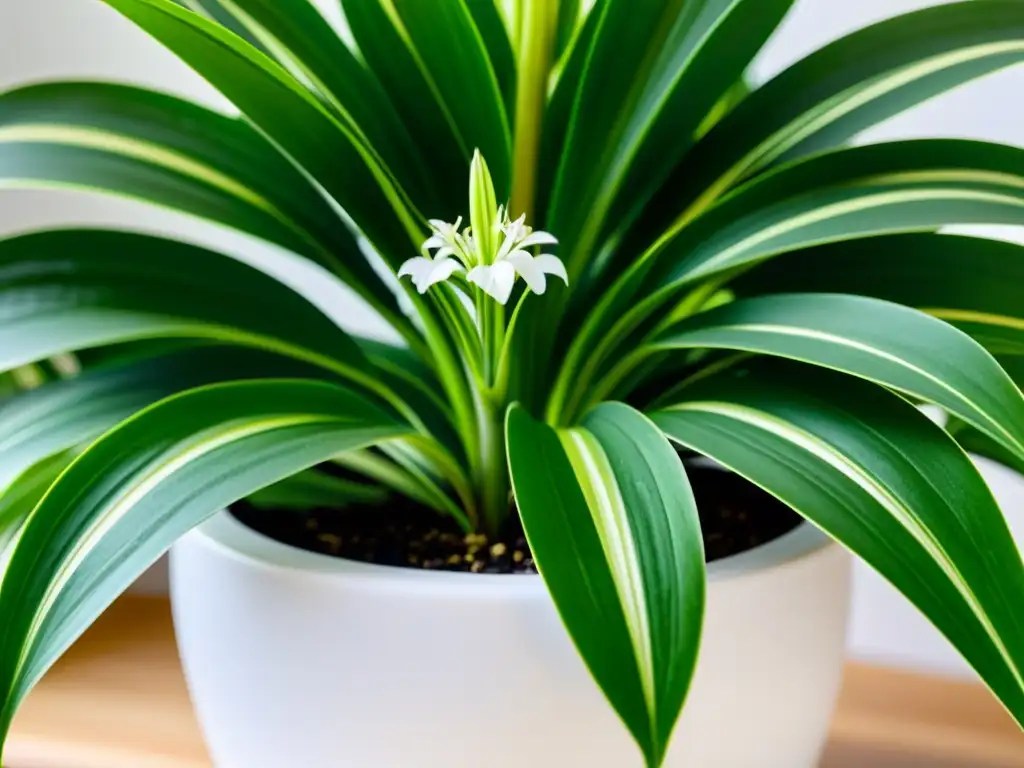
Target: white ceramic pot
<point x="299" y="659"/>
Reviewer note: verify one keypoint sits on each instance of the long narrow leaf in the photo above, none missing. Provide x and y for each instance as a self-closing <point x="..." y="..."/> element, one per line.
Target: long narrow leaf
<point x="291" y="116"/>
<point x="135" y="491"/>
<point x="391" y="56"/>
<point x="887" y="343"/>
<point x="299" y="38"/>
<point x="66" y="415"/>
<point x="613" y="526"/>
<point x="850" y="194"/>
<point x="885" y="481"/>
<point x="978" y="442"/>
<point x="451" y="51"/>
<point x="63" y="290"/>
<point x="704" y="66"/>
<point x="839" y="90"/>
<point x="895" y="187"/>
<point x="167" y="151"/>
<point x="970" y="282"/>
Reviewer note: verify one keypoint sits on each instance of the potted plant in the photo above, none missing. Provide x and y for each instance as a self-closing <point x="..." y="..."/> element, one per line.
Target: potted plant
<point x="676" y="319"/>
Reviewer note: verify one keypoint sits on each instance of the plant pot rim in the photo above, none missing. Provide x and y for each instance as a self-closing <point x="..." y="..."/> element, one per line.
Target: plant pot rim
<point x="232" y="538"/>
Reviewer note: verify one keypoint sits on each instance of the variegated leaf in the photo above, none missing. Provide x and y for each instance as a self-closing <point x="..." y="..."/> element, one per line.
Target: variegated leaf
<point x="120" y="504"/>
<point x="880" y="477"/>
<point x="887" y="343"/>
<point x="613" y="526"/>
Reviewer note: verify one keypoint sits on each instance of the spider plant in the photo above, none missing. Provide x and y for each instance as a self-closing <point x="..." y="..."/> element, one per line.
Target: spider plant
<point x="651" y="255"/>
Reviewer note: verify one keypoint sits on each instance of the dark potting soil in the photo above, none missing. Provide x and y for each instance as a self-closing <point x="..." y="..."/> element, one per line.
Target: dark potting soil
<point x="735" y="516"/>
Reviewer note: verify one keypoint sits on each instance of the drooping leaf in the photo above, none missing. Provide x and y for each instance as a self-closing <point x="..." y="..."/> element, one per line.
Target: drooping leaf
<point x="891" y="188"/>
<point x="977" y="442"/>
<point x="68" y="414"/>
<point x="850" y="194"/>
<point x="879" y="476"/>
<point x="970" y="282"/>
<point x="613" y="526"/>
<point x="140" y="487"/>
<point x="62" y="290"/>
<point x="299" y="38"/>
<point x="290" y="115"/>
<point x="888" y="188"/>
<point x="836" y="92"/>
<point x="166" y="151"/>
<point x="19" y="499"/>
<point x="887" y="343"/>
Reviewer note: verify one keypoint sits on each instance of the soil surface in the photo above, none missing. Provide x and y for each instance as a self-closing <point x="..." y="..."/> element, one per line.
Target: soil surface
<point x="735" y="516"/>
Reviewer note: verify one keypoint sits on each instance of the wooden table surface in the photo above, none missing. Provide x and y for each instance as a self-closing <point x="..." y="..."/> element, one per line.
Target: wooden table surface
<point x="118" y="700"/>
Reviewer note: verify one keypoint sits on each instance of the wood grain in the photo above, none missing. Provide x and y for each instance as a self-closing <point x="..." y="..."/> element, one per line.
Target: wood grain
<point x="118" y="700"/>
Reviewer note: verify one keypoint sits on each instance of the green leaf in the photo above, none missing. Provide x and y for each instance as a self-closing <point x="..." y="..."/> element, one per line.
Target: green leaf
<point x="390" y="55"/>
<point x="887" y="343"/>
<point x="297" y="37"/>
<point x="838" y="91"/>
<point x="613" y="526"/>
<point x="969" y="282"/>
<point x="451" y="52"/>
<point x="313" y="489"/>
<point x="68" y="414"/>
<point x="569" y="18"/>
<point x="491" y="26"/>
<point x="892" y="188"/>
<point x="876" y="474"/>
<point x="705" y="66"/>
<point x="70" y="289"/>
<point x="165" y="151"/>
<point x="895" y="187"/>
<point x="653" y="73"/>
<point x="555" y="127"/>
<point x="977" y="442"/>
<point x="65" y="415"/>
<point x="643" y="71"/>
<point x="141" y="486"/>
<point x="171" y="153"/>
<point x="417" y="384"/>
<point x="19" y="499"/>
<point x="635" y="82"/>
<point x="215" y="11"/>
<point x="291" y="116"/>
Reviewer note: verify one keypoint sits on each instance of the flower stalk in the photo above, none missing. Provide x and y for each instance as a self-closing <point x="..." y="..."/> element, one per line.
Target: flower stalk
<point x="535" y="43"/>
<point x="483" y="262"/>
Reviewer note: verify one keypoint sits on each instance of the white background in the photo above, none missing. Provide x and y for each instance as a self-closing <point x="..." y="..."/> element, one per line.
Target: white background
<point x="82" y="39"/>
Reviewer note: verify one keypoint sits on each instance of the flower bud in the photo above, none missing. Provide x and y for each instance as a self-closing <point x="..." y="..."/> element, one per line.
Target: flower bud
<point x="482" y="206"/>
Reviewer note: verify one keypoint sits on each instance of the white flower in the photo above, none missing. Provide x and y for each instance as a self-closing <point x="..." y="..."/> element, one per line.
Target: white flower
<point x="493" y="261"/>
<point x="513" y="258"/>
<point x="452" y="249"/>
<point x="425" y="272"/>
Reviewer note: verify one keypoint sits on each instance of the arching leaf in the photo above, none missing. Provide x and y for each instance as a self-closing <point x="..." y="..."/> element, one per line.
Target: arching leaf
<point x="887" y="343"/>
<point x="121" y="504"/>
<point x="613" y="527"/>
<point x="880" y="477"/>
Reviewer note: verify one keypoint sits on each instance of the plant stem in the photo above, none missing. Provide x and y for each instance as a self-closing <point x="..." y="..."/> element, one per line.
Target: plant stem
<point x="493" y="472"/>
<point x="493" y="480"/>
<point x="537" y="23"/>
